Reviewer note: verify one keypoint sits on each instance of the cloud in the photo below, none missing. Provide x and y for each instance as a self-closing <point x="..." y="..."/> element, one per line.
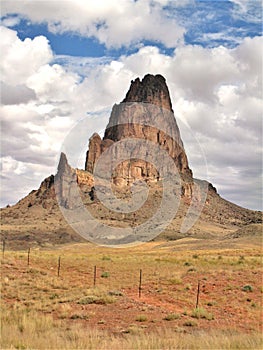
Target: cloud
<point x="20" y="59"/>
<point x="10" y="21"/>
<point x="30" y="138"/>
<point x="11" y="95"/>
<point x="113" y="23"/>
<point x="215" y="23"/>
<point x="24" y="176"/>
<point x="81" y="65"/>
<point x="215" y="91"/>
<point x="248" y="10"/>
<point x="117" y="24"/>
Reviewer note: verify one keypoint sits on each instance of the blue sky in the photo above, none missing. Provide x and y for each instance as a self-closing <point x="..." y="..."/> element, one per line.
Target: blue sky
<point x="64" y="60"/>
<point x="207" y="23"/>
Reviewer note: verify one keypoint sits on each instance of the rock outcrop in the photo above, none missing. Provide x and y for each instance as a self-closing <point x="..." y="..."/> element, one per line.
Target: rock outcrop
<point x="65" y="184"/>
<point x="144" y="114"/>
<point x="96" y="148"/>
<point x="152" y="89"/>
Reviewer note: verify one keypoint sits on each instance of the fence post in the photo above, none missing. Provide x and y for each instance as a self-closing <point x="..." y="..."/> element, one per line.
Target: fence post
<point x="58" y="266"/>
<point x="3" y="248"/>
<point x="140" y="283"/>
<point x="95" y="275"/>
<point x="28" y="256"/>
<point x="197" y="296"/>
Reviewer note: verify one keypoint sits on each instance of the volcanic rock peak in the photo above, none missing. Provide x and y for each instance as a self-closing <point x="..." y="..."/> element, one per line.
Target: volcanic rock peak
<point x="152" y="89"/>
<point x="146" y="107"/>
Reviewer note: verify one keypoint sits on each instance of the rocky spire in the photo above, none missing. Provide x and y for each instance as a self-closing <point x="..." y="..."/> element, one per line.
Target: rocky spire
<point x="93" y="152"/>
<point x="63" y="165"/>
<point x="65" y="184"/>
<point x="152" y="89"/>
<point x="145" y="113"/>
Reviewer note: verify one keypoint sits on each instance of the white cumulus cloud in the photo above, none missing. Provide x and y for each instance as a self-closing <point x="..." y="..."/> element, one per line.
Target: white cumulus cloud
<point x="114" y="23"/>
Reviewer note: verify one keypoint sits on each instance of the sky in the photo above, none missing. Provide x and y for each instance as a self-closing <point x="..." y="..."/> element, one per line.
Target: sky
<point x="65" y="60"/>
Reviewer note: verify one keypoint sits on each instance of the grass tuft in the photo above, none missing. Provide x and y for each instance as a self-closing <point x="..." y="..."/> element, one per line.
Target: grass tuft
<point x="190" y="323"/>
<point x="96" y="296"/>
<point x="171" y="317"/>
<point x="141" y="318"/>
<point x="202" y="313"/>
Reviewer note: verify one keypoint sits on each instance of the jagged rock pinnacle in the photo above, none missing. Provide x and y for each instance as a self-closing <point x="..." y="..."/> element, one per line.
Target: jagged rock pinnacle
<point x="63" y="163"/>
<point x="152" y="89"/>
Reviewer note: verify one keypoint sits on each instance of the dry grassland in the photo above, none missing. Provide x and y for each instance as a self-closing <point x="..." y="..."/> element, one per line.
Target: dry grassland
<point x="41" y="310"/>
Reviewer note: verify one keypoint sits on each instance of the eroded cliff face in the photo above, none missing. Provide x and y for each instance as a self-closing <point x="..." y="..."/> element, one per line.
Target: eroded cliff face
<point x="96" y="147"/>
<point x="144" y="114"/>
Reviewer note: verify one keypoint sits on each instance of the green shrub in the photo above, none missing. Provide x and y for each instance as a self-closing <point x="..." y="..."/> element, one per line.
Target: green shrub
<point x="105" y="274"/>
<point x="247" y="288"/>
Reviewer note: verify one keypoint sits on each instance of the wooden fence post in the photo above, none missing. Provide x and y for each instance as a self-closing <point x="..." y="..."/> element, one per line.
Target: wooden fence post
<point x="197" y="296"/>
<point x="59" y="265"/>
<point x="95" y="276"/>
<point x="28" y="256"/>
<point x="140" y="284"/>
<point x="3" y="248"/>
